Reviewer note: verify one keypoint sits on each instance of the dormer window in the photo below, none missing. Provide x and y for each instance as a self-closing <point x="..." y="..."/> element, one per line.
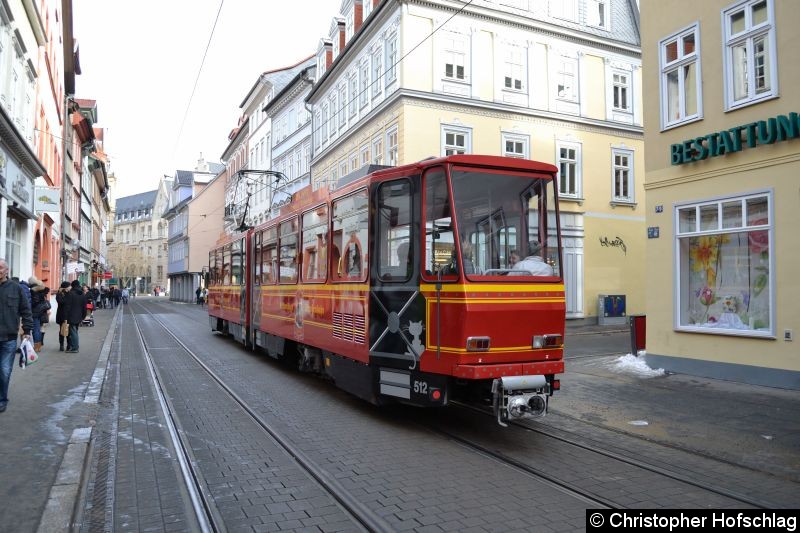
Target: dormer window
<point x="367" y="8"/>
<point x="349" y="25"/>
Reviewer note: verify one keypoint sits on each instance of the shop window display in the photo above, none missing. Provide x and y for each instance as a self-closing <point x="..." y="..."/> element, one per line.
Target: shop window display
<point x="725" y="266"/>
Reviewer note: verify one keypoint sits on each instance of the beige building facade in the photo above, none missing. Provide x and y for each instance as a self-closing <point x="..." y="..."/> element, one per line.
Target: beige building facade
<point x="529" y="81"/>
<point x="137" y="256"/>
<point x="723" y="156"/>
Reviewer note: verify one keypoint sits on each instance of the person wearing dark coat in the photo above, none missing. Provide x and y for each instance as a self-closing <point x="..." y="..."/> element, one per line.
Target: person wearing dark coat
<point x="75" y="312"/>
<point x="14" y="308"/>
<point x="61" y="314"/>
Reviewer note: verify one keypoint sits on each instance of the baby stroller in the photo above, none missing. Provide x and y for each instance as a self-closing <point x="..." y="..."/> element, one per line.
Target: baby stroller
<point x="89" y="320"/>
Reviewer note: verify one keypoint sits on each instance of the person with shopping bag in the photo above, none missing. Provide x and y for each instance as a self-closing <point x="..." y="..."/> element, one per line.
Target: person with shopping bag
<point x="14" y="306"/>
<point x="61" y="316"/>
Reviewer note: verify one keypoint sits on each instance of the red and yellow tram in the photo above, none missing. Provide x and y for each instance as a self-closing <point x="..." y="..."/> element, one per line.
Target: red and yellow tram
<point x="419" y="283"/>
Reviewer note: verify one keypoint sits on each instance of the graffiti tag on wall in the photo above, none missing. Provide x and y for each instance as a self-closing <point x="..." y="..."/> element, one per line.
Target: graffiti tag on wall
<point x="617" y="242"/>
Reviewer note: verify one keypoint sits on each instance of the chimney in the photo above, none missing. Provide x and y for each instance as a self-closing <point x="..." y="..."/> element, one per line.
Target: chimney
<point x="358" y="15"/>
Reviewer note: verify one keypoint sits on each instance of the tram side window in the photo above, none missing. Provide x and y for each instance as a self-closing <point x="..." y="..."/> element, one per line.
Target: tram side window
<point x="236" y="263"/>
<point x="315" y="244"/>
<point x="440" y="250"/>
<point x="257" y="264"/>
<point x="394" y="242"/>
<point x="269" y="255"/>
<point x="288" y="251"/>
<point x="218" y="262"/>
<point x="350" y="226"/>
<point x="226" y="265"/>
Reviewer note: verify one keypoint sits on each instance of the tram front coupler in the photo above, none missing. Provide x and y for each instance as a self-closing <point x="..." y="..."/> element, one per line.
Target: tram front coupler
<point x="519" y="397"/>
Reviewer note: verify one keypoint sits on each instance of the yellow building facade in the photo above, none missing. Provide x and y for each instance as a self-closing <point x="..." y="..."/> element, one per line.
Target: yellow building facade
<point x="723" y="156"/>
<point x="499" y="80"/>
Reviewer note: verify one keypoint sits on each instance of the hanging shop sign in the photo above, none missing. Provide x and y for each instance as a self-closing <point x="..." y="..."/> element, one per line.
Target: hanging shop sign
<point x="46" y="199"/>
<point x="770" y="131"/>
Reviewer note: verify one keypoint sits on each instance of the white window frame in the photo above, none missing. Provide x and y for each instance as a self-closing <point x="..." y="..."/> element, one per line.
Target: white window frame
<point x="343" y="106"/>
<point x="748" y="37"/>
<point x="363" y="80"/>
<point x="678" y="65"/>
<point x="561" y="73"/>
<point x="630" y="178"/>
<point x="353" y="83"/>
<point x="391" y="50"/>
<point x="364" y="155"/>
<point x="517" y="139"/>
<point x="377" y="72"/>
<point x="578" y="161"/>
<point x="456" y="130"/>
<point x="392" y="148"/>
<point x="377" y="150"/>
<point x="699" y="232"/>
<point x="455" y="46"/>
<point x="343" y="168"/>
<point x="324" y="123"/>
<point x="621" y="104"/>
<point x="353" y="161"/>
<point x="564" y="9"/>
<point x="597" y="7"/>
<point x="515" y="68"/>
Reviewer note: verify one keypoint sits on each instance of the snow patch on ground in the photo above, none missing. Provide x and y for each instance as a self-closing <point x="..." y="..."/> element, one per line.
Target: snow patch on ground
<point x="633" y="365"/>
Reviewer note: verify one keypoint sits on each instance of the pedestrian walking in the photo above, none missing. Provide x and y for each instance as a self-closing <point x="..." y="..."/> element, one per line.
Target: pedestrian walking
<point x="75" y="303"/>
<point x="61" y="316"/>
<point x="40" y="306"/>
<point x="197" y="294"/>
<point x="14" y="306"/>
<point x="204" y="297"/>
<point x="125" y="296"/>
<point x="117" y="296"/>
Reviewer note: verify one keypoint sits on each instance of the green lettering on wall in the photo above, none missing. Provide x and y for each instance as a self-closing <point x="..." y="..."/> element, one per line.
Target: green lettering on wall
<point x="775" y="129"/>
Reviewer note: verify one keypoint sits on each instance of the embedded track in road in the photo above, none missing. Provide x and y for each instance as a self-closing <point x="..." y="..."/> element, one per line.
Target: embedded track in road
<point x="667" y="471"/>
<point x="208" y="516"/>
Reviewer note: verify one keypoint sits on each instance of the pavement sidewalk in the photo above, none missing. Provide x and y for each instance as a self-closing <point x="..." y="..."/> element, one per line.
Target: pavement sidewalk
<point x="46" y="406"/>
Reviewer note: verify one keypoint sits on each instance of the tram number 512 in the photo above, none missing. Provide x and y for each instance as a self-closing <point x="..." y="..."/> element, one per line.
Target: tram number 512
<point x="420" y="387"/>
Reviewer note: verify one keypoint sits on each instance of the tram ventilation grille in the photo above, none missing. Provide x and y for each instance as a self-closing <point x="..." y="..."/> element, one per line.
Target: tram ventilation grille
<point x="349" y="327"/>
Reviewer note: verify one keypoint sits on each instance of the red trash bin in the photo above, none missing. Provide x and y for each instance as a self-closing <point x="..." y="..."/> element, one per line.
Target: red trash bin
<point x="638" y="325"/>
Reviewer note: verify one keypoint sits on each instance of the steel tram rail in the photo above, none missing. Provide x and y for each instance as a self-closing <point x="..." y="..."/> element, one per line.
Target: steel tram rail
<point x="204" y="509"/>
<point x="358" y="511"/>
<point x="634" y="462"/>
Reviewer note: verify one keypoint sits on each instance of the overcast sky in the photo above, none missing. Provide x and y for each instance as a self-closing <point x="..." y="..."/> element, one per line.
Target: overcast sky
<point x="140" y="61"/>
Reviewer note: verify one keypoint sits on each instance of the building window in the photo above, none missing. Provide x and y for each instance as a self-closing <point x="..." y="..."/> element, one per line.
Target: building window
<point x="622" y="170"/>
<point x="392" y="147"/>
<point x="456" y="140"/>
<point x="681" y="93"/>
<point x="391" y="59"/>
<point x="455" y="57"/>
<point x="725" y="265"/>
<point x="597" y="13"/>
<point x="365" y="155"/>
<point x="515" y="145"/>
<point x="342" y="100"/>
<point x="343" y="168"/>
<point x="563" y="9"/>
<point x="353" y="161"/>
<point x="567" y="78"/>
<point x="324" y="125"/>
<point x="621" y="91"/>
<point x="750" y="67"/>
<point x="377" y="72"/>
<point x="364" y="79"/>
<point x="353" y="94"/>
<point x="569" y="169"/>
<point x="514" y="67"/>
<point x="377" y="151"/>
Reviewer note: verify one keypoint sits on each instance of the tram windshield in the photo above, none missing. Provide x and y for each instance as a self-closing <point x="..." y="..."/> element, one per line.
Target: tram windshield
<point x="507" y="224"/>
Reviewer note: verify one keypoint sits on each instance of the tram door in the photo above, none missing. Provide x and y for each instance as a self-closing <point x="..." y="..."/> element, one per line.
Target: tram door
<point x="397" y="309"/>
